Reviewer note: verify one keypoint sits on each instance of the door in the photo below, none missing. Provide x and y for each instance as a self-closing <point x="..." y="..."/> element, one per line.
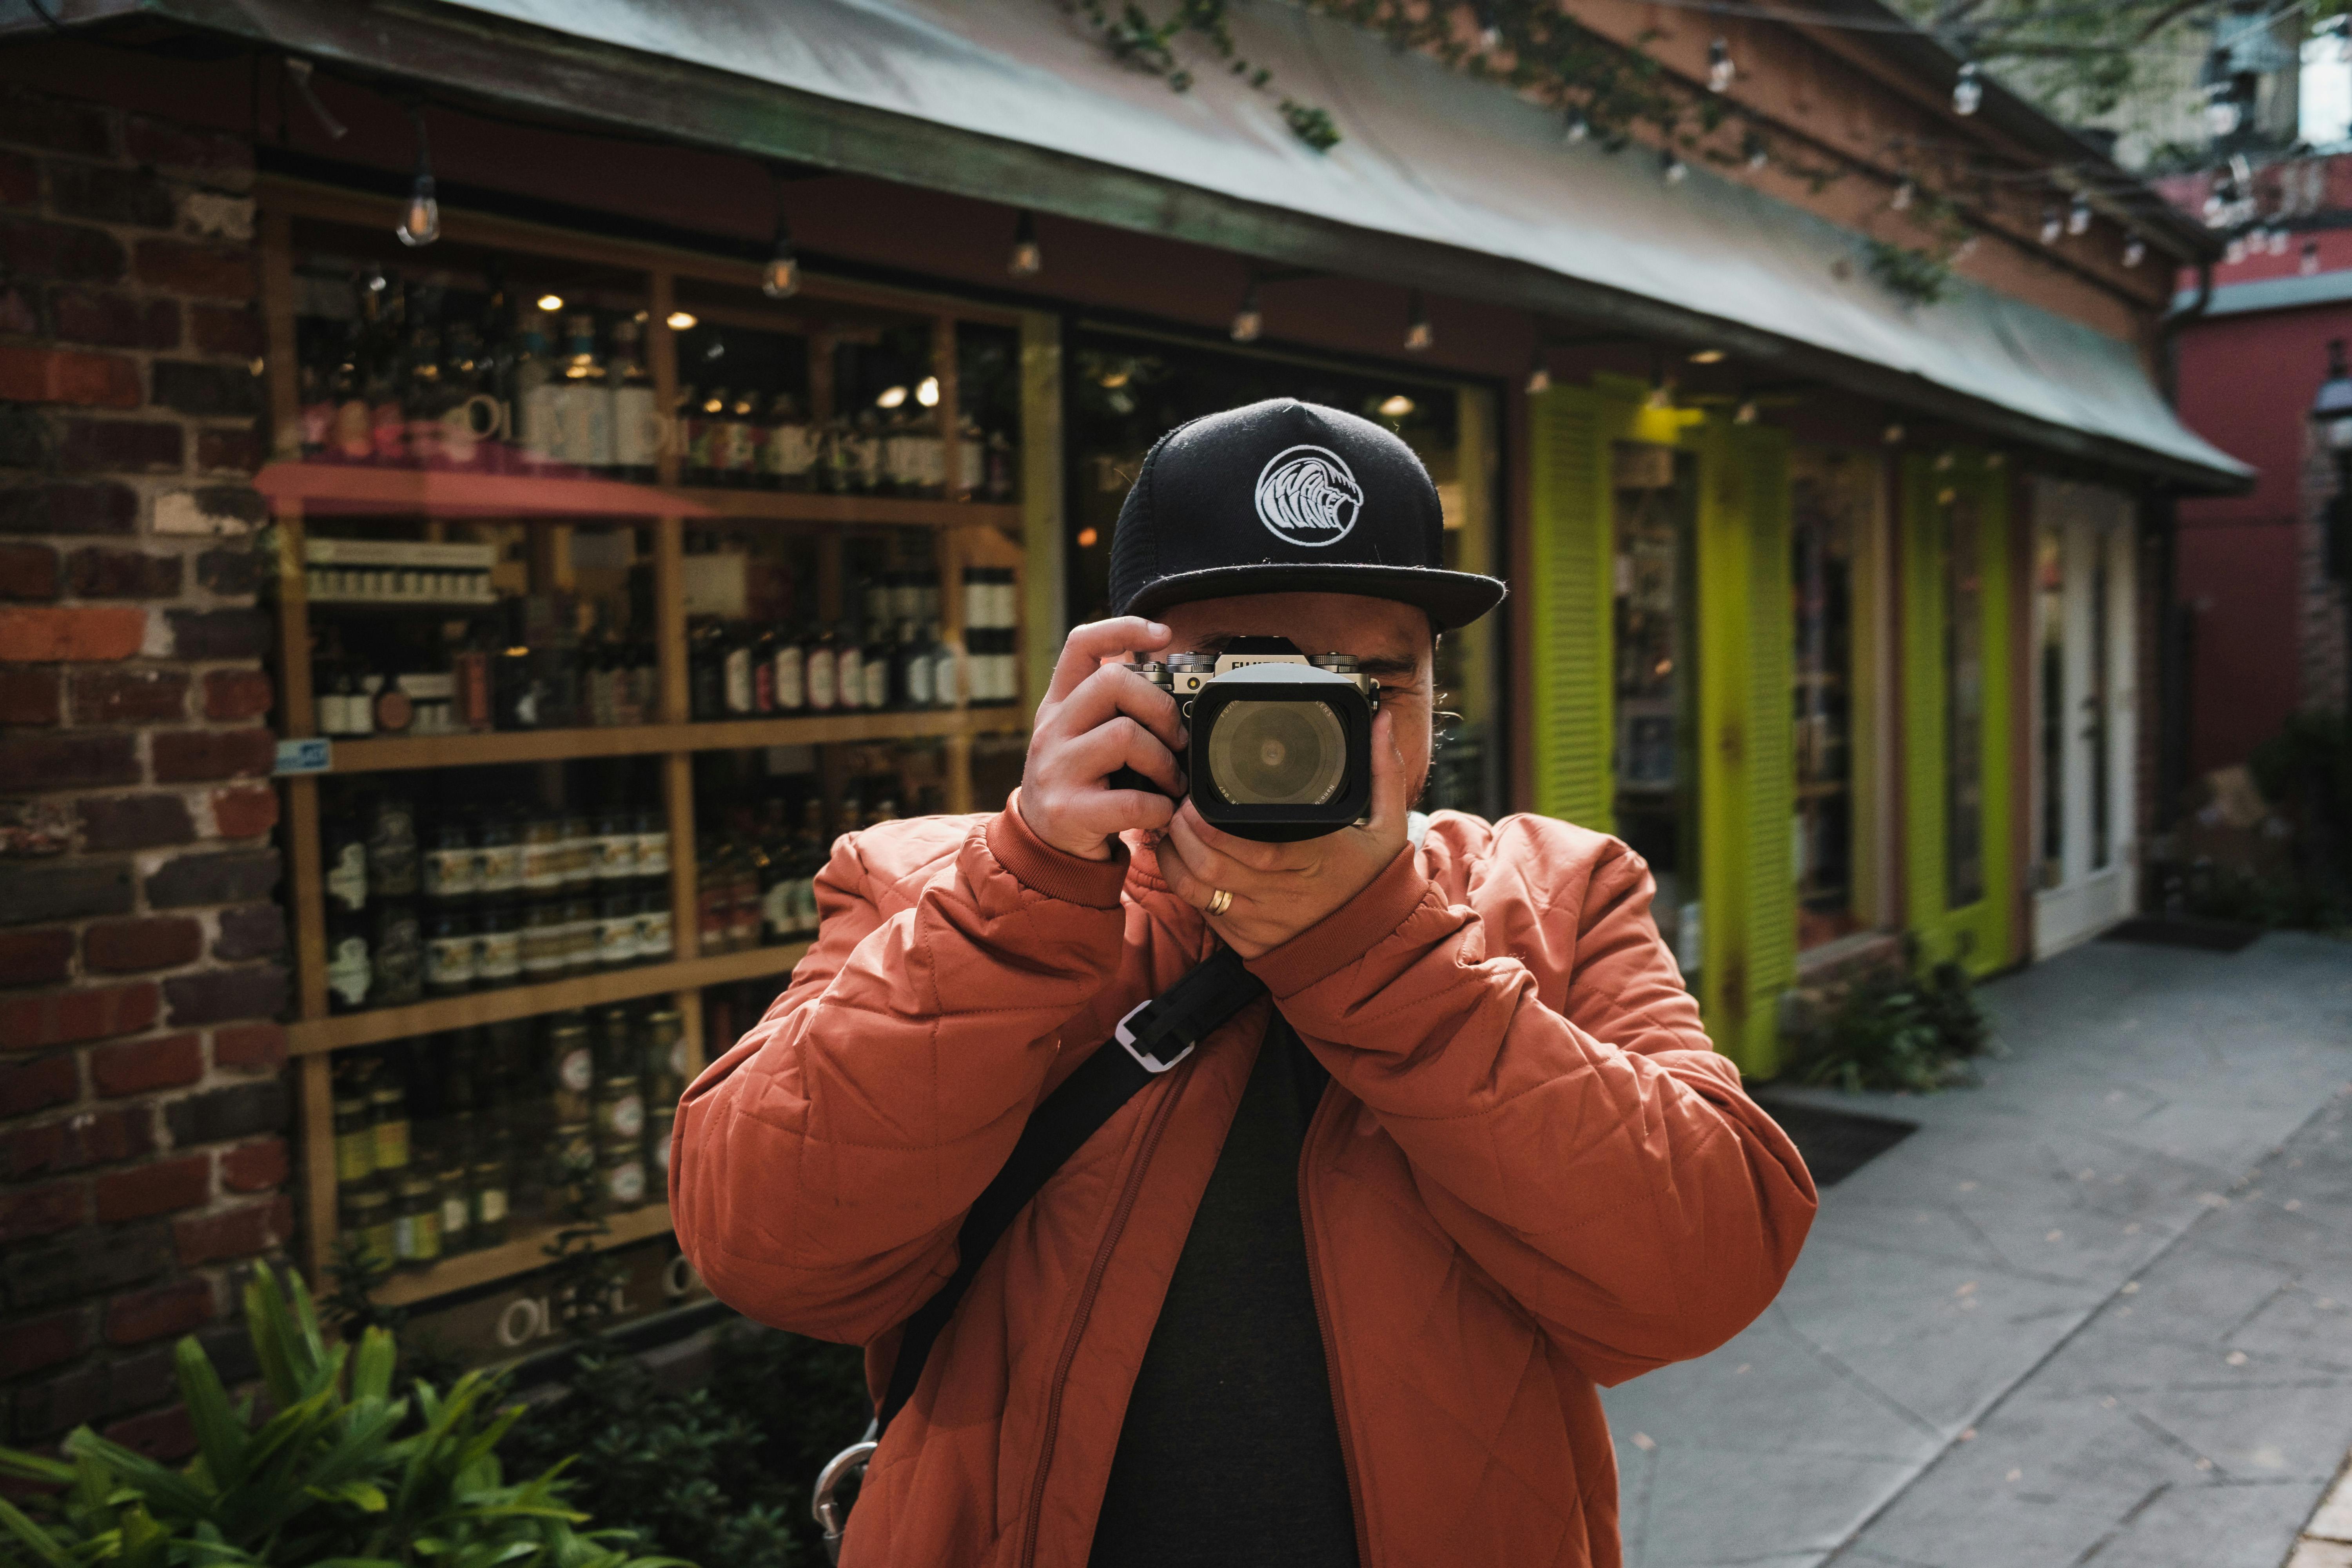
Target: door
<point x="2083" y="730"/>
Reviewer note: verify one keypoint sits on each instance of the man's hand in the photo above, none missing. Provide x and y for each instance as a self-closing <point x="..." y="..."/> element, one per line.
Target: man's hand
<point x="1281" y="889"/>
<point x="1098" y="718"/>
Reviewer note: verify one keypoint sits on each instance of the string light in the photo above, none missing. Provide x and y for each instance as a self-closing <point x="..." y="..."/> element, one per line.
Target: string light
<point x="1248" y="321"/>
<point x="1028" y="257"/>
<point x="2078" y="215"/>
<point x="780" y="278"/>
<point x="1418" y="335"/>
<point x="1707" y="356"/>
<point x="1538" y="370"/>
<point x="420" y="222"/>
<point x="891" y="397"/>
<point x="1904" y="191"/>
<point x="1672" y="169"/>
<point x="1893" y="435"/>
<point x="1758" y="153"/>
<point x="927" y="391"/>
<point x="1719" y="67"/>
<point x="1745" y="414"/>
<point x="2233" y="253"/>
<point x="679" y="321"/>
<point x="2309" y="264"/>
<point x="2279" y="238"/>
<point x="1967" y="89"/>
<point x="2135" y="251"/>
<point x="550" y="303"/>
<point x="2053" y="224"/>
<point x="1490" y="27"/>
<point x="1576" y="128"/>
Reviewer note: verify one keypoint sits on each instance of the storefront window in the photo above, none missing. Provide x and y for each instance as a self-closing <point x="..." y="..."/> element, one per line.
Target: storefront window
<point x="2095" y="713"/>
<point x="1126" y="391"/>
<point x="1830" y="511"/>
<point x="1964" y="701"/>
<point x="1655" y="681"/>
<point x="2050" y="588"/>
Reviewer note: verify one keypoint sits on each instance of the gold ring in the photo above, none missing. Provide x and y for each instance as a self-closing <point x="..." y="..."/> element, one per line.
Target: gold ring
<point x="1220" y="901"/>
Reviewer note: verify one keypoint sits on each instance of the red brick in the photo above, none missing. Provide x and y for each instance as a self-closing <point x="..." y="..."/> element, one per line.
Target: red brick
<point x="75" y="1143"/>
<point x="257" y="931"/>
<point x="236" y="694"/>
<point x="134" y="821"/>
<point x="196" y="269"/>
<point x="157" y="1187"/>
<point x="28" y="696"/>
<point x="33" y="760"/>
<point x="69" y="1017"/>
<point x="27" y="572"/>
<point x="102" y="572"/>
<point x="28" y="1212"/>
<point x="166" y="1435"/>
<point x="29" y="1344"/>
<point x="245" y="813"/>
<point x="43" y="635"/>
<point x="237" y="449"/>
<point x="232" y="877"/>
<point x="30" y="375"/>
<point x="113" y="320"/>
<point x="32" y="249"/>
<point x="223" y="331"/>
<point x="256" y="1167"/>
<point x="203" y="389"/>
<point x="37" y="1085"/>
<point x="219" y="634"/>
<point x="101" y="508"/>
<point x="20" y="181"/>
<point x="177" y="147"/>
<point x="65" y="126"/>
<point x="130" y="196"/>
<point x="183" y="755"/>
<point x="250" y="1045"/>
<point x="135" y="1066"/>
<point x="132" y="445"/>
<point x="17" y="315"/>
<point x="32" y="895"/>
<point x="174" y="1309"/>
<point x="29" y="827"/>
<point x="233" y="1232"/>
<point x="219" y="995"/>
<point x="232" y="573"/>
<point x="130" y="946"/>
<point x="35" y="957"/>
<point x="130" y="695"/>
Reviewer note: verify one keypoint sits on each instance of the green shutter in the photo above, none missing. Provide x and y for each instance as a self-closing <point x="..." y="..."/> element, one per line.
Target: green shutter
<point x="1567" y="606"/>
<point x="1769" y="802"/>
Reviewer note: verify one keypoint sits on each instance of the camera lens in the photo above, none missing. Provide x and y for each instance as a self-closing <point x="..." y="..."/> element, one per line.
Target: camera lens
<point x="1277" y="753"/>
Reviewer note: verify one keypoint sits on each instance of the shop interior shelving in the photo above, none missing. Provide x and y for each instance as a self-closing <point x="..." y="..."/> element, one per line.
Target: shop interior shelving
<point x="961" y="531"/>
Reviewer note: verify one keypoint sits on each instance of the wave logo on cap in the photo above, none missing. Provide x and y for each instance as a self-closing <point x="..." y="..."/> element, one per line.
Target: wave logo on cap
<point x="1307" y="496"/>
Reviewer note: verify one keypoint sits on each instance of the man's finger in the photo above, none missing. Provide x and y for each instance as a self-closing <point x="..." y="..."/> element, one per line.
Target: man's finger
<point x="1114" y="689"/>
<point x="1124" y="743"/>
<point x="1388" y="805"/>
<point x="1087" y="646"/>
<point x="1186" y="831"/>
<point x="1111" y="812"/>
<point x="1183" y="881"/>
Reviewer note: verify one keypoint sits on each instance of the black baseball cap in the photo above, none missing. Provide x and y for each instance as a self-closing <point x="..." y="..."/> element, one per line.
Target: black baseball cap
<point x="1284" y="497"/>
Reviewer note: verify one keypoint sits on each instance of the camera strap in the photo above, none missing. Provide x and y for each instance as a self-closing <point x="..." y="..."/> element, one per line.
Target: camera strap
<point x="1151" y="1040"/>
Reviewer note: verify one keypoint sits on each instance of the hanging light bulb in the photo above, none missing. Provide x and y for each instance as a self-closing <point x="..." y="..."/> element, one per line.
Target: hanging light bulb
<point x="1418" y="336"/>
<point x="1966" y="248"/>
<point x="2309" y="263"/>
<point x="420" y="222"/>
<point x="1967" y="89"/>
<point x="1490" y="27"/>
<point x="1672" y="169"/>
<point x="1720" y="71"/>
<point x="1248" y="321"/>
<point x="2078" y="215"/>
<point x="2278" y="241"/>
<point x="1028" y="257"/>
<point x="1904" y="192"/>
<point x="1758" y="153"/>
<point x="1538" y="369"/>
<point x="780" y="279"/>
<point x="2053" y="224"/>
<point x="1893" y="435"/>
<point x="1576" y="128"/>
<point x="1745" y="414"/>
<point x="927" y="391"/>
<point x="2135" y="251"/>
<point x="2233" y="253"/>
<point x="1662" y="393"/>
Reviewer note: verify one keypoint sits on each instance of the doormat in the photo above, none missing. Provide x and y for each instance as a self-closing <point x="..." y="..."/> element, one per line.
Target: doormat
<point x="2207" y="936"/>
<point x="1835" y="1143"/>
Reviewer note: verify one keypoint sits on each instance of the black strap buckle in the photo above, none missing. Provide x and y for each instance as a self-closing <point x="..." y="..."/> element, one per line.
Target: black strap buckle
<point x="1144" y="1044"/>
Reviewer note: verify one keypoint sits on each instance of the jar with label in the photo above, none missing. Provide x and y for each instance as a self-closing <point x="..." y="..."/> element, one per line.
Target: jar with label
<point x="572" y="1066"/>
<point x="457" y="1209"/>
<point x="616" y="930"/>
<point x="364" y="1215"/>
<point x="388" y="1118"/>
<point x="571" y="1156"/>
<point x="542" y="854"/>
<point x="579" y="935"/>
<point x="350" y="962"/>
<point x="344" y="852"/>
<point x="616" y="849"/>
<point x="497" y="855"/>
<point x="391" y="853"/>
<point x="497" y="946"/>
<point x="542" y="941"/>
<point x="417" y="1223"/>
<point x="620" y="1108"/>
<point x="653" y="842"/>
<point x="661" y="1054"/>
<point x="659" y="1125"/>
<point x="654" y="939"/>
<point x="617" y="1042"/>
<point x="579" y="852"/>
<point x="450" y="952"/>
<point x="452" y="869"/>
<point x="487" y="1197"/>
<point x="355" y="1139"/>
<point x="621" y="1173"/>
<point x="398" y="955"/>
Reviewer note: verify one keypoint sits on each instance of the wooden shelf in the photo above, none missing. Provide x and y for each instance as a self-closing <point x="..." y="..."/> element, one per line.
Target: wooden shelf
<point x="357" y="489"/>
<point x="312" y="1037"/>
<point x="400" y="752"/>
<point x="806" y="506"/>
<point x="520" y="1255"/>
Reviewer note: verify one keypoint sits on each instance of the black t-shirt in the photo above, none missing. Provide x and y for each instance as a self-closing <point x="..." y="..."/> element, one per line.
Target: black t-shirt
<point x="1230" y="1454"/>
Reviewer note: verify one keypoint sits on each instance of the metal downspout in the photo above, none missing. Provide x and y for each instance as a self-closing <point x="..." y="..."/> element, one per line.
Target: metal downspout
<point x="2177" y="625"/>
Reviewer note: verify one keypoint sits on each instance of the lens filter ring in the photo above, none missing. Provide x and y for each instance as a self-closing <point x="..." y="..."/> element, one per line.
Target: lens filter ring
<point x="1277" y="753"/>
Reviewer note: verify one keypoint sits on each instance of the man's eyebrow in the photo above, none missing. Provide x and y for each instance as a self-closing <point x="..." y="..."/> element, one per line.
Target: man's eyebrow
<point x="1396" y="670"/>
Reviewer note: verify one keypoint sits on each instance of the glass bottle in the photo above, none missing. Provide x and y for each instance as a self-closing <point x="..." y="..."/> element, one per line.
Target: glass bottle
<point x="792" y="446"/>
<point x="415" y="1222"/>
<point x="743" y="437"/>
<point x="450" y="1192"/>
<point x="584" y="401"/>
<point x="497" y="946"/>
<point x="788" y="671"/>
<point x="451" y="950"/>
<point x="849" y="668"/>
<point x="636" y="432"/>
<point x="487" y="1196"/>
<point x="692" y="434"/>
<point x="388" y="1119"/>
<point x="345" y="852"/>
<point x="880" y="662"/>
<point x="737" y="693"/>
<point x="365" y="1217"/>
<point x="711" y="432"/>
<point x="820" y="669"/>
<point x="354" y="1137"/>
<point x="535" y="399"/>
<point x="350" y="960"/>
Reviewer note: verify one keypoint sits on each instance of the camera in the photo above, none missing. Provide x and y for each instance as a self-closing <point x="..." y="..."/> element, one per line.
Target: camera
<point x="1282" y="743"/>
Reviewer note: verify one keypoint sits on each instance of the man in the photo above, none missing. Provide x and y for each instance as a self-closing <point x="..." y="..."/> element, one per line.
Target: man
<point x="1339" y="1288"/>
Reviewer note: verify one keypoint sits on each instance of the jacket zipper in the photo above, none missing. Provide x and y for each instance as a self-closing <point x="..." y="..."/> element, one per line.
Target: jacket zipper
<point x="1323" y="1324"/>
<point x="1128" y="1194"/>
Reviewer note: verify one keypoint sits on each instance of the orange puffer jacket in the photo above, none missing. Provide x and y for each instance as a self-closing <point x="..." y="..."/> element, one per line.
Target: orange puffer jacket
<point x="1531" y="1175"/>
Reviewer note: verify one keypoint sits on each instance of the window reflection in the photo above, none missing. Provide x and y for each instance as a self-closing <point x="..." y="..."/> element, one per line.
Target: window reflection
<point x="1964" y="694"/>
<point x="1655" y="681"/>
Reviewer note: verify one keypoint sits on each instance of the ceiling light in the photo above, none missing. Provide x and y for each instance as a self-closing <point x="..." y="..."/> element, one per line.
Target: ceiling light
<point x="1707" y="356"/>
<point x="1249" y="321"/>
<point x="2078" y="215"/>
<point x="1904" y="191"/>
<point x="1028" y="257"/>
<point x="2135" y="251"/>
<point x="682" y="321"/>
<point x="927" y="391"/>
<point x="1720" y="68"/>
<point x="420" y="222"/>
<point x="892" y="396"/>
<point x="551" y="302"/>
<point x="1395" y="406"/>
<point x="1967" y="89"/>
<point x="1418" y="333"/>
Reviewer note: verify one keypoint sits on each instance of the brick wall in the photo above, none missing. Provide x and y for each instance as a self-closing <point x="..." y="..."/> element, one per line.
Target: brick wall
<point x="143" y="1102"/>
<point x="2320" y="608"/>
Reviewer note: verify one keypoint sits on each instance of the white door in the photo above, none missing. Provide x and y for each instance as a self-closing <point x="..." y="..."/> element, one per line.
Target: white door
<point x="2085" y="732"/>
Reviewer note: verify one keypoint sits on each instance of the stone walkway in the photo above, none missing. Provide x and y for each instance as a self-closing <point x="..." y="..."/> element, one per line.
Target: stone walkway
<point x="2096" y="1310"/>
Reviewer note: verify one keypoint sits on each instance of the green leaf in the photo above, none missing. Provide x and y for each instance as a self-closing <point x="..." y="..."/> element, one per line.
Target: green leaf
<point x="220" y="1434"/>
<point x="40" y="1541"/>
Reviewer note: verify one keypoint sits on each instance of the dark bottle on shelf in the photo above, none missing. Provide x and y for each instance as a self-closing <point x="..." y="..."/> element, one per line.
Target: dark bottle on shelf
<point x="497" y="946"/>
<point x="451" y="945"/>
<point x="343" y="852"/>
<point x="743" y="437"/>
<point x="849" y="668"/>
<point x="469" y="409"/>
<point x="773" y="861"/>
<point x="880" y="662"/>
<point x="705" y="673"/>
<point x="740" y="693"/>
<point x="399" y="954"/>
<point x="422" y="397"/>
<point x="820" y="669"/>
<point x="788" y="671"/>
<point x="392" y="850"/>
<point x="636" y="432"/>
<point x="452" y="868"/>
<point x="350" y="960"/>
<point x="692" y="437"/>
<point x="763" y="671"/>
